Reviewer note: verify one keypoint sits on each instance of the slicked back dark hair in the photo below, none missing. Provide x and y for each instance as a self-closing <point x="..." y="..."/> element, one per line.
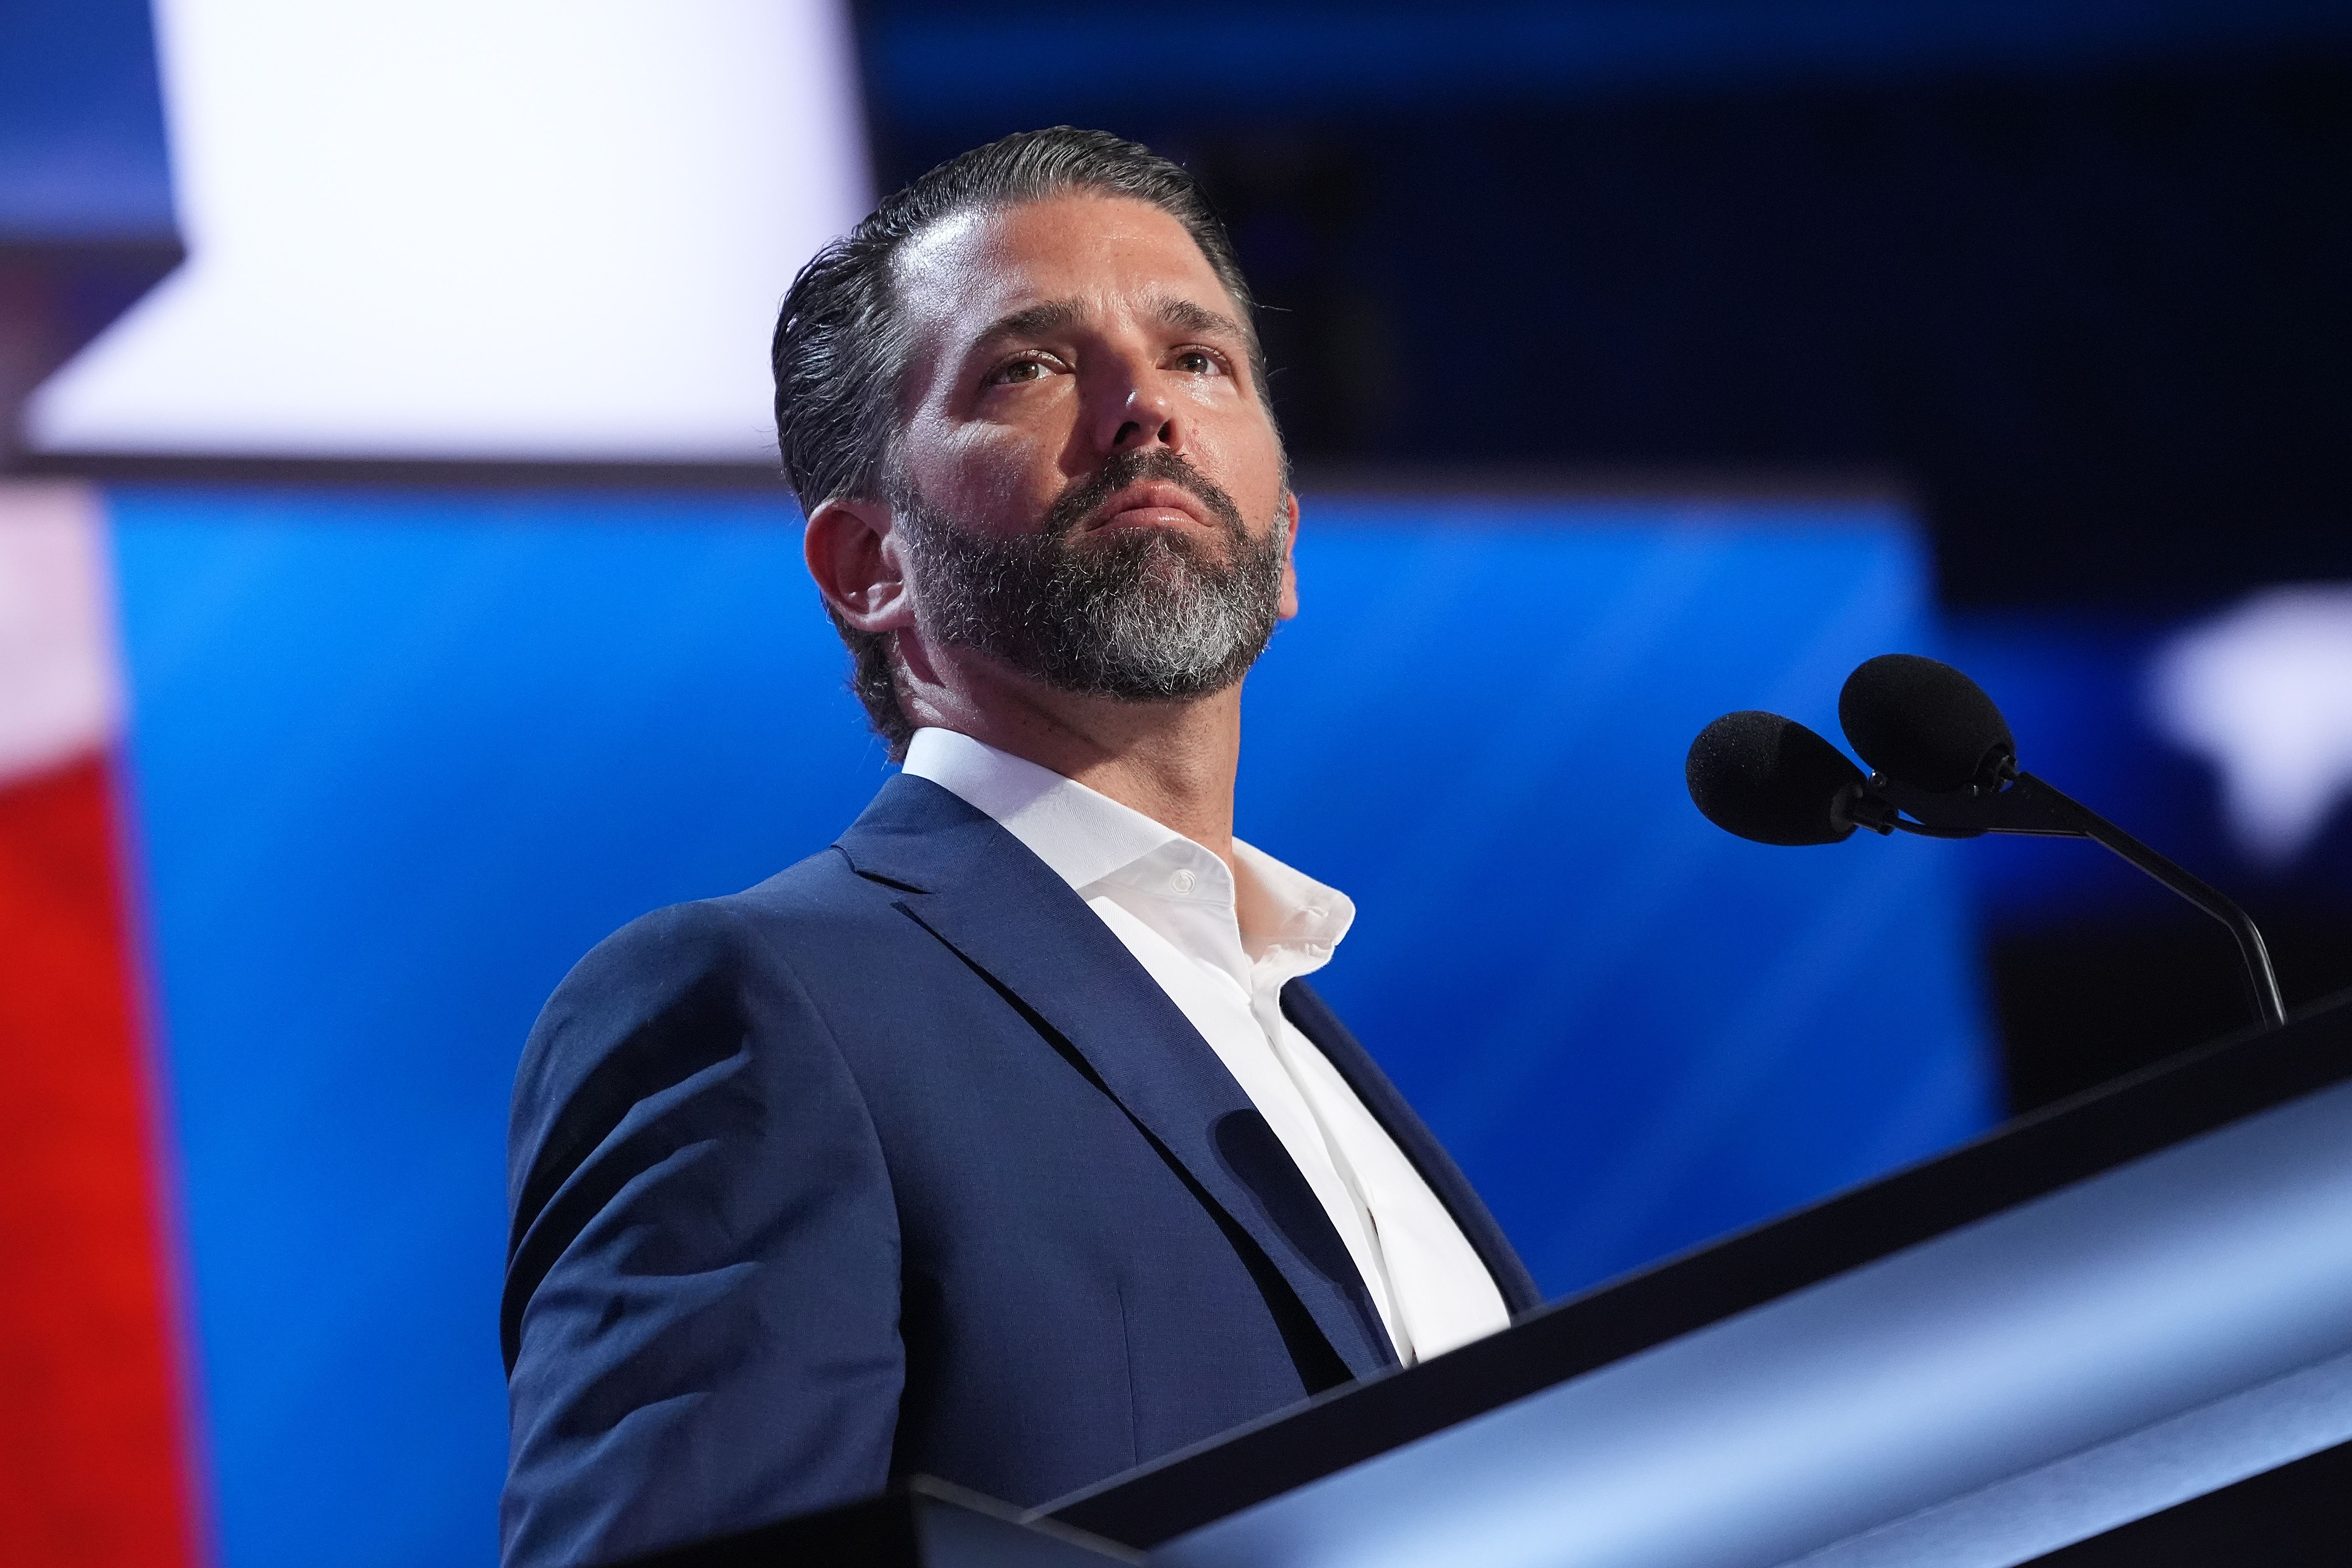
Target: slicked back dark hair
<point x="841" y="344"/>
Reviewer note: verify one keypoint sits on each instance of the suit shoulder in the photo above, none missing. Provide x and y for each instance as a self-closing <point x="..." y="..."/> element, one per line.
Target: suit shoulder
<point x="676" y="985"/>
<point x="674" y="996"/>
<point x="678" y="943"/>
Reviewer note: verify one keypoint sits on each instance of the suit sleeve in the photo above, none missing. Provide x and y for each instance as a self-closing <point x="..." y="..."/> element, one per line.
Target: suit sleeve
<point x="701" y="1308"/>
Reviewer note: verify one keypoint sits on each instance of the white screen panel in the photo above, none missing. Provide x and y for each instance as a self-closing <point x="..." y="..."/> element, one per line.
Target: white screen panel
<point x="476" y="230"/>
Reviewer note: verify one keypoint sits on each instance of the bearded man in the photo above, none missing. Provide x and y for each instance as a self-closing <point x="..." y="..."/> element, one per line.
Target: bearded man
<point x="1003" y="1141"/>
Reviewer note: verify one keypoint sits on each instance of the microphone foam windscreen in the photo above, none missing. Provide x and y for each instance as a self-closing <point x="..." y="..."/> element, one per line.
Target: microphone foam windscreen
<point x="1770" y="779"/>
<point x="1922" y="722"/>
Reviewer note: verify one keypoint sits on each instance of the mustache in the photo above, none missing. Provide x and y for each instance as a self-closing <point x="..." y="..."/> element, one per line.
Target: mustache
<point x="1083" y="498"/>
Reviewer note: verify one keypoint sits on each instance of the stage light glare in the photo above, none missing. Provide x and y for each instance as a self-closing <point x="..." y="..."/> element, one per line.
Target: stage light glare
<point x="2264" y="693"/>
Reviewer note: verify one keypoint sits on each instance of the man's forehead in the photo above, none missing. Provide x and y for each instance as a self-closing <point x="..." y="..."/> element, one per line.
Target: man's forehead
<point x="1056" y="261"/>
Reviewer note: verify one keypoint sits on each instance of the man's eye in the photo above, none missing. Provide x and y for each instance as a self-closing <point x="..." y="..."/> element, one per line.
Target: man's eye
<point x="1197" y="362"/>
<point x="1019" y="370"/>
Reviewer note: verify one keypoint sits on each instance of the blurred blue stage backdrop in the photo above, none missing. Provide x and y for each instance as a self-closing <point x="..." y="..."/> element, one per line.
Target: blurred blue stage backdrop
<point x="400" y="759"/>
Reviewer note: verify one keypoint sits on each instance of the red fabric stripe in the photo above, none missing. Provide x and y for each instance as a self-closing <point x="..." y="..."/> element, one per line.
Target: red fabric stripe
<point x="91" y="1472"/>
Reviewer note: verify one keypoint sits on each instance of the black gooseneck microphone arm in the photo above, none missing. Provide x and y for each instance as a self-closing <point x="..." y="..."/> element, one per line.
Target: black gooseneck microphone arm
<point x="2023" y="804"/>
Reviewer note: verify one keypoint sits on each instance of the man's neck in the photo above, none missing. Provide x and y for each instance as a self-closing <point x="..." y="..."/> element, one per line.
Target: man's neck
<point x="1174" y="762"/>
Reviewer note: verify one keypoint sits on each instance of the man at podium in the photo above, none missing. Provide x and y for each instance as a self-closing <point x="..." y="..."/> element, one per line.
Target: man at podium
<point x="1005" y="1140"/>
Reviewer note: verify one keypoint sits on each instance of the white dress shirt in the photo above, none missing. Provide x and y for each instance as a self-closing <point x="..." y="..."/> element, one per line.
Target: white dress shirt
<point x="1222" y="948"/>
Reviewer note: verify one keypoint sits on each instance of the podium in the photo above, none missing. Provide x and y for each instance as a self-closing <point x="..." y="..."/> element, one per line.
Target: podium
<point x="2093" y="1313"/>
<point x="2113" y="1321"/>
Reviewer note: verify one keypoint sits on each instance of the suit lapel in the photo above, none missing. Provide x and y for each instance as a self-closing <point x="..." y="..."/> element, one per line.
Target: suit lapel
<point x="1316" y="1020"/>
<point x="982" y="893"/>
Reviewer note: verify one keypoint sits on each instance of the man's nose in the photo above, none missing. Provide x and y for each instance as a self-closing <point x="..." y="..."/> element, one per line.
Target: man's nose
<point x="1137" y="415"/>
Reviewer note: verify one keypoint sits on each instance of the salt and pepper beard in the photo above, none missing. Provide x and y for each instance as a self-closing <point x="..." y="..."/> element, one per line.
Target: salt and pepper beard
<point x="1141" y="614"/>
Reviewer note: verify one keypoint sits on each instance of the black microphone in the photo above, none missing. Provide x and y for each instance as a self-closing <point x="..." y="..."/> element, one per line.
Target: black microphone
<point x="1773" y="780"/>
<point x="1925" y="723"/>
<point x="1943" y="758"/>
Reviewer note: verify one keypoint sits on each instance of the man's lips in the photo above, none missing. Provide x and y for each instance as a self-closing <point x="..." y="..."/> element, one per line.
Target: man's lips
<point x="1155" y="504"/>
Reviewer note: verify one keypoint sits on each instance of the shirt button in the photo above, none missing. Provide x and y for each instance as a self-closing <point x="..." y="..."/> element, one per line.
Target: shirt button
<point x="1182" y="881"/>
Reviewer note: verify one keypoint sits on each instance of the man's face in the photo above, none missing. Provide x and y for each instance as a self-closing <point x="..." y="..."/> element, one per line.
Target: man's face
<point x="1078" y="369"/>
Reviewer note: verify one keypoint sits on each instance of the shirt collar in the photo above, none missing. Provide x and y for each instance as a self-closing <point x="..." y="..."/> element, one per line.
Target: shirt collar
<point x="1082" y="835"/>
<point x="1280" y="906"/>
<point x="1086" y="838"/>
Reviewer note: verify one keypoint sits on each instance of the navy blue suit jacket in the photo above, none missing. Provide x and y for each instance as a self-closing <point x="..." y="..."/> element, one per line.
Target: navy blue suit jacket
<point x="900" y="1161"/>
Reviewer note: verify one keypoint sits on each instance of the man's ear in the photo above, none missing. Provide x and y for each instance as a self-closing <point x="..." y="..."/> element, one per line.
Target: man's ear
<point x="1288" y="605"/>
<point x="859" y="564"/>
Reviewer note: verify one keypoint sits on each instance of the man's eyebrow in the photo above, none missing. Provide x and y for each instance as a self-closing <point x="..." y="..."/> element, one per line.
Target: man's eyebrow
<point x="1186" y="316"/>
<point x="1051" y="315"/>
<point x="1030" y="320"/>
